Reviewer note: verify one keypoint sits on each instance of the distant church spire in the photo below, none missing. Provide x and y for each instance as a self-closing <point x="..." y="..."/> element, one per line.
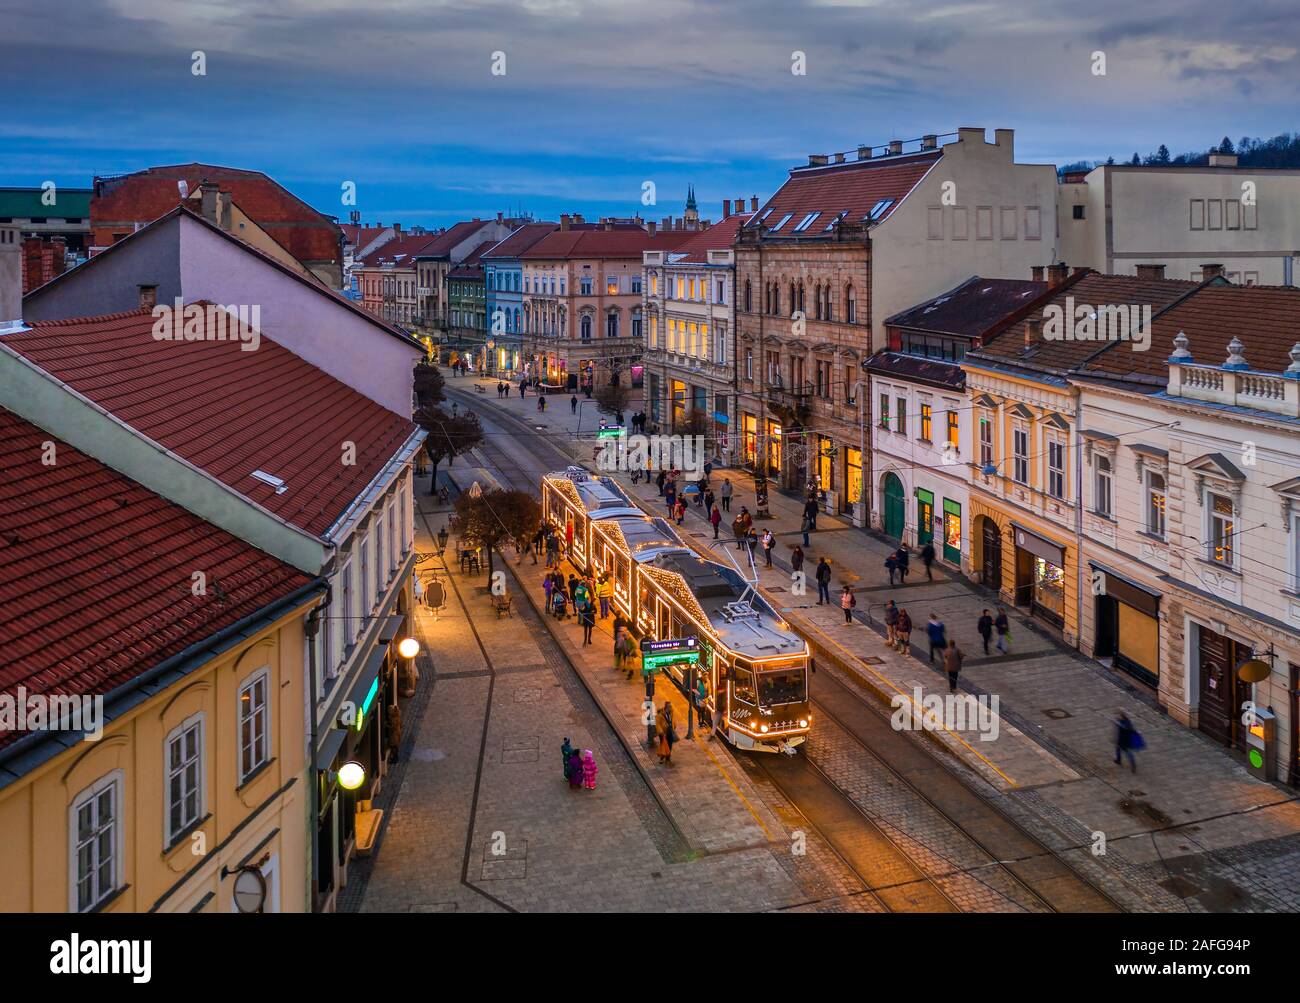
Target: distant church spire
<point x="691" y="217"/>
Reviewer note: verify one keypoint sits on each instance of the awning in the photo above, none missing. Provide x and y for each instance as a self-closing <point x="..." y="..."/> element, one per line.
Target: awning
<point x="330" y="743"/>
<point x="393" y="626"/>
<point x="1027" y="539"/>
<point x="1129" y="592"/>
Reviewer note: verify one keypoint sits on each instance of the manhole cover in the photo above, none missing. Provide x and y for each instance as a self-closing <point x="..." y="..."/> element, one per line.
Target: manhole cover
<point x="1057" y="713"/>
<point x="871" y="660"/>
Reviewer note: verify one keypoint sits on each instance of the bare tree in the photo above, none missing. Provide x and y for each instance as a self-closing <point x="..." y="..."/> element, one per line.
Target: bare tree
<point x="449" y="436"/>
<point x="495" y="517"/>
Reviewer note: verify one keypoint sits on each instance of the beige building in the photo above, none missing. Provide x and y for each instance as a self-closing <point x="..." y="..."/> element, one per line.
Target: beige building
<point x="1244" y="219"/>
<point x="1192" y="521"/>
<point x="689" y="335"/>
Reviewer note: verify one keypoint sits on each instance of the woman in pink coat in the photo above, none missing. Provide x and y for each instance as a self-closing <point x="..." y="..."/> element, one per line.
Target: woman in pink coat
<point x="589" y="770"/>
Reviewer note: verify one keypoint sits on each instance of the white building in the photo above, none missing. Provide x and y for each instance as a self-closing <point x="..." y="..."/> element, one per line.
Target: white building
<point x="1244" y="219"/>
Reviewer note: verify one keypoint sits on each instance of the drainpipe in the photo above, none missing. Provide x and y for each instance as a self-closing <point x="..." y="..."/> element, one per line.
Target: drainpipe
<point x="311" y="627"/>
<point x="1078" y="517"/>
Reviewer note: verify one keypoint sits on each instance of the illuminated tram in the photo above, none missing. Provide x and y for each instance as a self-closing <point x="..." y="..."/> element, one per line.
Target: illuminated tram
<point x="753" y="664"/>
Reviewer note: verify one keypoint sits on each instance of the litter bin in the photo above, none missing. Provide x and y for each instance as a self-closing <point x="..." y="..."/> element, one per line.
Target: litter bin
<point x="1261" y="743"/>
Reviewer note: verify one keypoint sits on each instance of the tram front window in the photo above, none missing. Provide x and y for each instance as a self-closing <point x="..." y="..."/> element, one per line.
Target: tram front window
<point x="743" y="686"/>
<point x="785" y="686"/>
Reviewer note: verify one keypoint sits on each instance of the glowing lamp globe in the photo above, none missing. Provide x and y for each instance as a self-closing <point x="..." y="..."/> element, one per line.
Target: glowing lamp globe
<point x="351" y="775"/>
<point x="408" y="647"/>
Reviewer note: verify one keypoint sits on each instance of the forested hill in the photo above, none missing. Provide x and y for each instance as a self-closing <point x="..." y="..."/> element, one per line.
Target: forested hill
<point x="1281" y="151"/>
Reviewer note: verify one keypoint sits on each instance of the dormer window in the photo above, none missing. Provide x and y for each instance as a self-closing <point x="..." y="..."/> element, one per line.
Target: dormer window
<point x="806" y="222"/>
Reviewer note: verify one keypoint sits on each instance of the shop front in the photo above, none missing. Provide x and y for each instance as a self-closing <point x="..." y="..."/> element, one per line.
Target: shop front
<point x="749" y="440"/>
<point x="852" y="479"/>
<point x="924" y="517"/>
<point x="825" y="465"/>
<point x="678" y="391"/>
<point x="952" y="531"/>
<point x="1040" y="576"/>
<point x="1127" y="625"/>
<point x="773" y="448"/>
<point x="1222" y="695"/>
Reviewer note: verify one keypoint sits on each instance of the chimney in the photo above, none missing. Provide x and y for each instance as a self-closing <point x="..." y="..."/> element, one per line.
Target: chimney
<point x="1005" y="139"/>
<point x="1057" y="273"/>
<point x="1150" y="273"/>
<point x="753" y="203"/>
<point x="1033" y="331"/>
<point x="578" y="218"/>
<point x="666" y="223"/>
<point x="864" y="153"/>
<point x="208" y="191"/>
<point x="818" y="160"/>
<point x="224" y="201"/>
<point x="839" y="158"/>
<point x="609" y="224"/>
<point x="499" y="217"/>
<point x="397" y="229"/>
<point x="929" y="142"/>
<point x="11" y="274"/>
<point x="148" y="296"/>
<point x="564" y="221"/>
<point x="1036" y="273"/>
<point x="651" y="227"/>
<point x="726" y="208"/>
<point x="1211" y="271"/>
<point x="1223" y="160"/>
<point x="966" y="134"/>
<point x="895" y="147"/>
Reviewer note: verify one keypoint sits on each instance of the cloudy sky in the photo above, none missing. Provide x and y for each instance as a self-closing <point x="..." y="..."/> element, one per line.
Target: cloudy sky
<point x="599" y="96"/>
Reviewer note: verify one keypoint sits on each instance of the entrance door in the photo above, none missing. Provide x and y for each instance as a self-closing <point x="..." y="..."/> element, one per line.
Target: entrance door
<point x="992" y="550"/>
<point x="1222" y="693"/>
<point x="924" y="518"/>
<point x="894" y="508"/>
<point x="1107" y="617"/>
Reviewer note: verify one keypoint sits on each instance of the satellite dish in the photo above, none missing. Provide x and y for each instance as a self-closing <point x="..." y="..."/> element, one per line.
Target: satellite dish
<point x="1254" y="670"/>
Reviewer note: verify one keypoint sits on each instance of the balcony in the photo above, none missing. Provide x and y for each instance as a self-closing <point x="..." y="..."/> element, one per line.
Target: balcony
<point x="1234" y="383"/>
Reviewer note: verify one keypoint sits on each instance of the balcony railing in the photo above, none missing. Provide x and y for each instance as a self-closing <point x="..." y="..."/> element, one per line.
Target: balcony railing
<point x="1273" y="392"/>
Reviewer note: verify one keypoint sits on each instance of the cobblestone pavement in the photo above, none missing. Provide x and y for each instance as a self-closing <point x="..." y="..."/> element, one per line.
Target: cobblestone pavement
<point x="1192" y="830"/>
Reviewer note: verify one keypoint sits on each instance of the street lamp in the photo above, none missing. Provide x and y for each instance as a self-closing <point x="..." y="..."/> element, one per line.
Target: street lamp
<point x="351" y="775"/>
<point x="408" y="647"/>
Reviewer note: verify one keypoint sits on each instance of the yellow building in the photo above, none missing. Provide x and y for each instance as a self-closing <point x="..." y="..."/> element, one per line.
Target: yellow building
<point x="179" y="772"/>
<point x="1025" y="502"/>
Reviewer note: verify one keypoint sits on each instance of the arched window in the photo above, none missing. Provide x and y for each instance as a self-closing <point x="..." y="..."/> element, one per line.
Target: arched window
<point x="826" y="306"/>
<point x="817" y="299"/>
<point x="801" y="303"/>
<point x="586" y="327"/>
<point x="850" y="305"/>
<point x="794" y="299"/>
<point x="749" y="294"/>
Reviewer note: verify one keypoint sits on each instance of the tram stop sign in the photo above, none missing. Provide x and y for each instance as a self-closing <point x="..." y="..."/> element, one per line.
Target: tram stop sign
<point x="669" y="651"/>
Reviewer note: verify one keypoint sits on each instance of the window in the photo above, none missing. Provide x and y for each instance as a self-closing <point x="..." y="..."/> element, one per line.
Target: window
<point x="1077" y="211"/>
<point x="1055" y="467"/>
<point x="784" y="220"/>
<point x="1214" y="214"/>
<point x="1033" y="223"/>
<point x="720" y="292"/>
<point x="878" y="210"/>
<point x="926" y="420"/>
<point x="585" y="327"/>
<point x="960" y="223"/>
<point x="806" y="222"/>
<point x="611" y="325"/>
<point x="585" y="285"/>
<point x="1222" y="530"/>
<point x="850" y="305"/>
<point x="884" y="411"/>
<point x="1156" y="504"/>
<point x="1231" y="214"/>
<point x="254" y="720"/>
<point x="95" y="843"/>
<point x="636" y="323"/>
<point x="1008" y="222"/>
<point x="954" y="429"/>
<point x="366" y="594"/>
<point x="984" y="222"/>
<point x="184" y="777"/>
<point x="1020" y="454"/>
<point x="749" y="297"/>
<point x="636" y="284"/>
<point x="681" y="288"/>
<point x="654" y="284"/>
<point x="823" y="379"/>
<point x="901" y="428"/>
<point x="381" y="559"/>
<point x="749" y="363"/>
<point x="611" y="285"/>
<point x="1101" y="489"/>
<point x="346" y="606"/>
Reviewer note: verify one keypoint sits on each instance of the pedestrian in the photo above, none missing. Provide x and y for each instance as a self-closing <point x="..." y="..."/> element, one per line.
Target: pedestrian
<point x="927" y="558"/>
<point x="902" y="559"/>
<point x="952" y="659"/>
<point x="847" y="601"/>
<point x="823" y="582"/>
<point x="573" y="404"/>
<point x="769" y="541"/>
<point x="541" y="403"/>
<point x="985" y="627"/>
<point x="738" y="528"/>
<point x="1127" y="740"/>
<point x="659" y="482"/>
<point x="701" y="697"/>
<point x="665" y="733"/>
<point x="629" y="653"/>
<point x="701" y="487"/>
<point x="810" y="510"/>
<point x="523" y="389"/>
<point x="548" y="586"/>
<point x="805" y="527"/>
<point x="587" y="617"/>
<point x="891" y="565"/>
<point x="575" y="770"/>
<point x="552" y="548"/>
<point x="589" y="770"/>
<point x="604" y="591"/>
<point x="580" y="591"/>
<point x="670" y="499"/>
<point x="393" y="731"/>
<point x="796" y="558"/>
<point x="936" y="631"/>
<point x="715" y="517"/>
<point x="566" y="755"/>
<point x="681" y="510"/>
<point x="746" y="519"/>
<point x="709" y="499"/>
<point x="904" y="631"/>
<point x="725" y="494"/>
<point x="1003" y="627"/>
<point x="568" y="537"/>
<point x="891" y="623"/>
<point x="751" y="540"/>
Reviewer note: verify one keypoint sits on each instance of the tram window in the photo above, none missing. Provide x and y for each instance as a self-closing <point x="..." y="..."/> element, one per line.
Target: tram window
<point x="743" y="685"/>
<point x="786" y="686"/>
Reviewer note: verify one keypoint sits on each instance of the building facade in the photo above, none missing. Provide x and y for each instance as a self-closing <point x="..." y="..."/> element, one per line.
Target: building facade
<point x="503" y="275"/>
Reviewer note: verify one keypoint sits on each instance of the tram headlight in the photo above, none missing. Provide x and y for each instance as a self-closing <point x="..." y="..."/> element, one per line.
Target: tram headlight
<point x="763" y="728"/>
<point x="803" y="722"/>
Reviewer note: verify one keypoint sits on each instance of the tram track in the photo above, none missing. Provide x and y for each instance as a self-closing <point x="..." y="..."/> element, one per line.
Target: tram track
<point x="862" y="843"/>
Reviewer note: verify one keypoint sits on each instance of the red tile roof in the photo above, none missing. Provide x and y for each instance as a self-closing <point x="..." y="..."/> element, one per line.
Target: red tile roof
<point x="1265" y="318"/>
<point x="358" y="235"/>
<point x="718" y="237"/>
<point x="856" y="187"/>
<point x="472" y="266"/>
<point x="1087" y="288"/>
<point x="95" y="572"/>
<point x="519" y="241"/>
<point x="399" y="252"/>
<point x="444" y="243"/>
<point x="603" y="244"/>
<point x="144" y="196"/>
<point x="225" y="410"/>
